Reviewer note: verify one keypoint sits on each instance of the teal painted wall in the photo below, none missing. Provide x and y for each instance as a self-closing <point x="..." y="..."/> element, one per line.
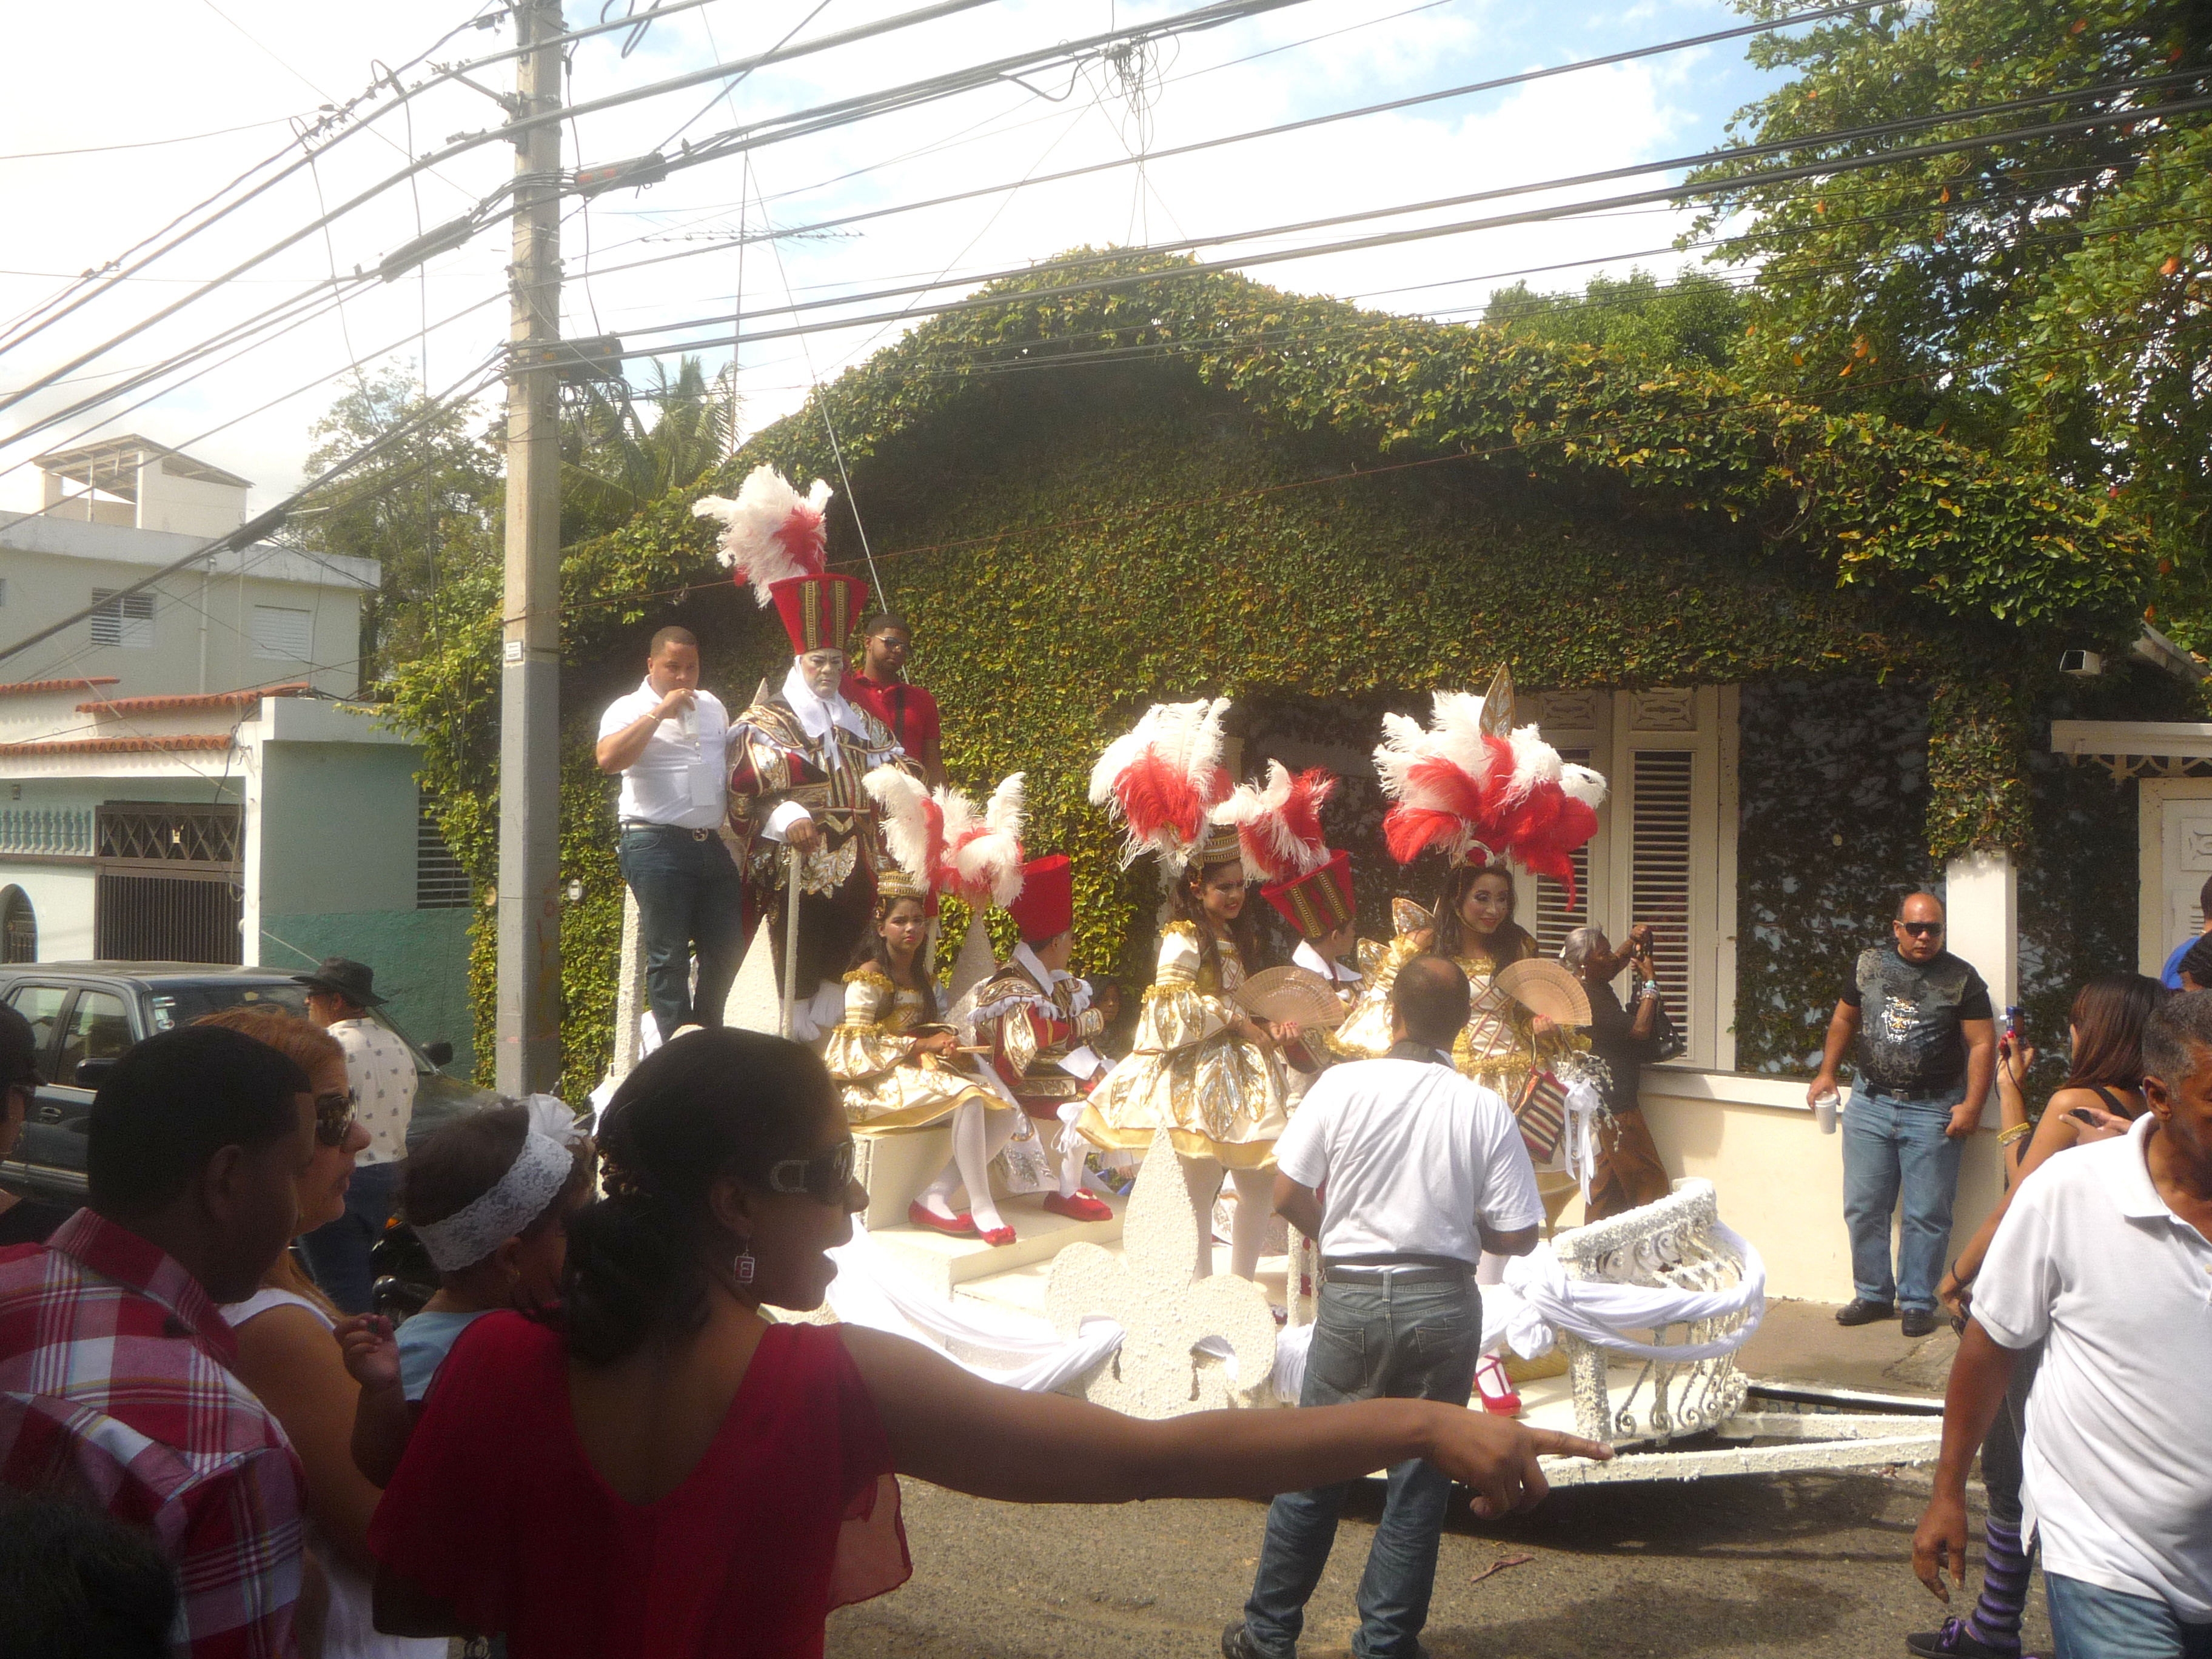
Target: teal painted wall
<point x="338" y="827"/>
<point x="421" y="958"/>
<point x="338" y="880"/>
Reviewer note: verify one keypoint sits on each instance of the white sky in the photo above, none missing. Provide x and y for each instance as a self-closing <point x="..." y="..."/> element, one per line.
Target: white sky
<point x="157" y="72"/>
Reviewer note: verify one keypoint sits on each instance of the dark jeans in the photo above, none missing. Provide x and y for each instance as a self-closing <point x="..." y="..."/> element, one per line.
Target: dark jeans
<point x="338" y="1251"/>
<point x="1897" y="1148"/>
<point x="688" y="893"/>
<point x="1371" y="1341"/>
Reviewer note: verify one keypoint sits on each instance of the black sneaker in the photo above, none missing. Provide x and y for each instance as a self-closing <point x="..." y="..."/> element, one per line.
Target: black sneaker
<point x="1955" y="1641"/>
<point x="1860" y="1311"/>
<point x="1235" y="1644"/>
<point x="1920" y="1322"/>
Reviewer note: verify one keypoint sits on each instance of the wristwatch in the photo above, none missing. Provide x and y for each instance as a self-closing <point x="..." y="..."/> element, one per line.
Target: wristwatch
<point x="1650" y="988"/>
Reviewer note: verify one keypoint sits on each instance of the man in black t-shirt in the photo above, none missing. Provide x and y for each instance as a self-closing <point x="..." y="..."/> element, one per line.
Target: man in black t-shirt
<point x="1927" y="1050"/>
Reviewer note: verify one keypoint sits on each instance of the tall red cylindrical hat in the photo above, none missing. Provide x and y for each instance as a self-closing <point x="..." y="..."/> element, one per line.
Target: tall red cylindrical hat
<point x="818" y="612"/>
<point x="1045" y="908"/>
<point x="1318" y="902"/>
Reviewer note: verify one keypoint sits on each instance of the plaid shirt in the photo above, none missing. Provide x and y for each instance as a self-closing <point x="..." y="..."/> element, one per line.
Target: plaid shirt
<point x="115" y="1383"/>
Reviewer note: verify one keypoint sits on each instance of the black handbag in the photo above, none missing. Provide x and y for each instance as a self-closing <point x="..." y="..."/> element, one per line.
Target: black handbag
<point x="1666" y="1039"/>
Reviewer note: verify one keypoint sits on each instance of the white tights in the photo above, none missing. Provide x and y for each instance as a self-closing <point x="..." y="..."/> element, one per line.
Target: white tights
<point x="978" y="1135"/>
<point x="1248" y="1225"/>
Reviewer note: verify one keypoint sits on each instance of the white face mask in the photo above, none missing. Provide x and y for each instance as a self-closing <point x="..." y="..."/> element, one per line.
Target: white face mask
<point x="822" y="670"/>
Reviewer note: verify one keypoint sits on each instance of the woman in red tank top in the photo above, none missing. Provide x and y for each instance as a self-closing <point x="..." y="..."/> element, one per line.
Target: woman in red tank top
<point x="658" y="1472"/>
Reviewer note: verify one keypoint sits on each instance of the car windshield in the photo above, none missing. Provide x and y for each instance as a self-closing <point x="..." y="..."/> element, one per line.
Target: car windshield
<point x="180" y="1005"/>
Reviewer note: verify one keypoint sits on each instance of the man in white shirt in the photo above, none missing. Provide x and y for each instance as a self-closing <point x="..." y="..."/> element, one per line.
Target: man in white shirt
<point x="2106" y="1257"/>
<point x="669" y="741"/>
<point x="1424" y="1170"/>
<point x="380" y="1074"/>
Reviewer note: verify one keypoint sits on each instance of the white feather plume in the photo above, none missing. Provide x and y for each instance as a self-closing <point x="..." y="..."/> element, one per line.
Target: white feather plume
<point x="1150" y="777"/>
<point x="1584" y="785"/>
<point x="770" y="532"/>
<point x="903" y="801"/>
<point x="986" y="855"/>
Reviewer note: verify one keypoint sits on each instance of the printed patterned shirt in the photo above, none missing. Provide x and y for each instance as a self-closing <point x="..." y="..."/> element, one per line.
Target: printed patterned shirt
<point x="116" y="1384"/>
<point x="382" y="1075"/>
<point x="1909" y="1044"/>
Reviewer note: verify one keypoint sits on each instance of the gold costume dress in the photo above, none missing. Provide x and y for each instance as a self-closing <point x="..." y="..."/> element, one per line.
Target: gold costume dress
<point x="1217" y="1095"/>
<point x="885" y="1083"/>
<point x="1499" y="1048"/>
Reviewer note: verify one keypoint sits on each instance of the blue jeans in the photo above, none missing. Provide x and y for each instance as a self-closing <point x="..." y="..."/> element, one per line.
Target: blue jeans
<point x="2088" y="1621"/>
<point x="1371" y="1341"/>
<point x="688" y="893"/>
<point x="1893" y="1145"/>
<point x="338" y="1251"/>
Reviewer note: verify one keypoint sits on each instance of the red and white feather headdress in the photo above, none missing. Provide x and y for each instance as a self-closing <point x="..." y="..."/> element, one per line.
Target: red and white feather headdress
<point x="1473" y="780"/>
<point x="941" y="840"/>
<point x="1278" y="824"/>
<point x="1164" y="777"/>
<point x="771" y="532"/>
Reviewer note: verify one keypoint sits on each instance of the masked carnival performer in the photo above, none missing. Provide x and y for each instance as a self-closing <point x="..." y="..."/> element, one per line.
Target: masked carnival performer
<point x="800" y="753"/>
<point x="1481" y="790"/>
<point x="895" y="1075"/>
<point x="1040" y="1022"/>
<point x="1201" y="1068"/>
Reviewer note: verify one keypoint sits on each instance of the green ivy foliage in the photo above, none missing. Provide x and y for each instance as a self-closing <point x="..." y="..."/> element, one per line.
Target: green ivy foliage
<point x="1186" y="485"/>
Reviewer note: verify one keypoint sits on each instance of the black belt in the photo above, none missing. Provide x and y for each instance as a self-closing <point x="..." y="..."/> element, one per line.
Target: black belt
<point x="629" y="824"/>
<point x="1396" y="1270"/>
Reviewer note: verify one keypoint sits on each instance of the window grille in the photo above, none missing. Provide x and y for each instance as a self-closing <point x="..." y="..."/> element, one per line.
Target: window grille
<point x="125" y="619"/>
<point x="440" y="883"/>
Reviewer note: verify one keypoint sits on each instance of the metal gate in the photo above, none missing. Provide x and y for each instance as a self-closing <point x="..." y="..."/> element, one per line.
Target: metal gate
<point x="168" y="883"/>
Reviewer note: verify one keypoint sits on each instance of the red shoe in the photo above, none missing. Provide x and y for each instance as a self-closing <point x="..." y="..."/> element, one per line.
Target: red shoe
<point x="997" y="1238"/>
<point x="1494" y="1388"/>
<point x="1083" y="1207"/>
<point x="959" y="1227"/>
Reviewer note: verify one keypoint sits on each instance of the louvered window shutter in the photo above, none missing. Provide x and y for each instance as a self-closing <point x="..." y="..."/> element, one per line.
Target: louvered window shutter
<point x="1555" y="917"/>
<point x="1659" y="869"/>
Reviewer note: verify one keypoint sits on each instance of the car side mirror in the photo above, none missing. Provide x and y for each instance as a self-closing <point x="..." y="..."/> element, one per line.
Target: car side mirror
<point x="91" y="1074"/>
<point x="439" y="1053"/>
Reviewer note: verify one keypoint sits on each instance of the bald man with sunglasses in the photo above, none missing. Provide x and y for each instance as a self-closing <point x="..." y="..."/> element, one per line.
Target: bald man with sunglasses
<point x="1927" y="1049"/>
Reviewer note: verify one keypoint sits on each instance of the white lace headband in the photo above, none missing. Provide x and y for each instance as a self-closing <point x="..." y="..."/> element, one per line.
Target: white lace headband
<point x="472" y="1233"/>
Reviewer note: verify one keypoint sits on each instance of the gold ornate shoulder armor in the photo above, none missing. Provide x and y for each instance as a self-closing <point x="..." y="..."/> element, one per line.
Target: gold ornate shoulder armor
<point x="869" y="973"/>
<point x="1181" y="929"/>
<point x="1407" y="917"/>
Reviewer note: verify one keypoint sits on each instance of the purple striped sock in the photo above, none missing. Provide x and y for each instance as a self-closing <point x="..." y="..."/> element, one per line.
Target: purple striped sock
<point x="1995" y="1622"/>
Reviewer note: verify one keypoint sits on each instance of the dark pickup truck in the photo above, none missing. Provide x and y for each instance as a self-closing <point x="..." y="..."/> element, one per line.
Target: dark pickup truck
<point x="85" y="1014"/>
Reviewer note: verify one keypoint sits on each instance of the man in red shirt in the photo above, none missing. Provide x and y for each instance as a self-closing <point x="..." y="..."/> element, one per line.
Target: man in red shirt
<point x="116" y="1385"/>
<point x="881" y="688"/>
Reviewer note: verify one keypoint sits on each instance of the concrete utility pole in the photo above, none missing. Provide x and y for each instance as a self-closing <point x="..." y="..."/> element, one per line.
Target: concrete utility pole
<point x="529" y="1003"/>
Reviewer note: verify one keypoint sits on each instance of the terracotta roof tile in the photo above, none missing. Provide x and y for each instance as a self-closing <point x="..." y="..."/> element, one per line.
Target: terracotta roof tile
<point x="187" y="741"/>
<point x="187" y="702"/>
<point x="32" y="688"/>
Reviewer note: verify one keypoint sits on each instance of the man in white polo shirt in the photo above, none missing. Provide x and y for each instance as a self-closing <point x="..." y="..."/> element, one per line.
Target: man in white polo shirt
<point x="1424" y="1170"/>
<point x="2105" y="1258"/>
<point x="670" y="743"/>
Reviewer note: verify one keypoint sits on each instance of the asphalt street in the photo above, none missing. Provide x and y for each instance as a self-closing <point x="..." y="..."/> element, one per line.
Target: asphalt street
<point x="1799" y="1564"/>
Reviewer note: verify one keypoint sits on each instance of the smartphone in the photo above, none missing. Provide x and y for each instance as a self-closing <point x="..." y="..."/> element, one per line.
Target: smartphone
<point x="2012" y="1023"/>
<point x="2080" y="1116"/>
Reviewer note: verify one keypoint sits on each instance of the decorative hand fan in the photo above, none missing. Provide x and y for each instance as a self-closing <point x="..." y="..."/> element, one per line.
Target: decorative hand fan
<point x="1546" y="988"/>
<point x="1284" y="995"/>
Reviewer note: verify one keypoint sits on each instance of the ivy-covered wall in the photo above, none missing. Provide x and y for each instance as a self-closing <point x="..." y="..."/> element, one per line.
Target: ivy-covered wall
<point x="1184" y="486"/>
<point x="1833" y="781"/>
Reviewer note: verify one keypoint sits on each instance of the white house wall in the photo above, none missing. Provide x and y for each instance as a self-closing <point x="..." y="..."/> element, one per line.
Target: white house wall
<point x="203" y="621"/>
<point x="61" y="896"/>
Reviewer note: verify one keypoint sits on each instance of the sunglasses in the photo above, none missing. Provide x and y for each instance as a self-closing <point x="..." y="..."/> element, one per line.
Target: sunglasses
<point x="825" y="1177"/>
<point x="1921" y="929"/>
<point x="334" y="1118"/>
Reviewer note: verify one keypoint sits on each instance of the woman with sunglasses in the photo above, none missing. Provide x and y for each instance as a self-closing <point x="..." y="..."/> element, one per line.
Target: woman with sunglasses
<point x="662" y="1470"/>
<point x="287" y="1357"/>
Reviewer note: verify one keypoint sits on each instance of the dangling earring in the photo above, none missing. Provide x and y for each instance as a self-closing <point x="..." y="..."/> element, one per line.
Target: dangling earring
<point x="745" y="1266"/>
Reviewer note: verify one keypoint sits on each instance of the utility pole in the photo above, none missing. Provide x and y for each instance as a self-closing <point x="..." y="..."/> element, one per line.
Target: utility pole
<point x="529" y="1002"/>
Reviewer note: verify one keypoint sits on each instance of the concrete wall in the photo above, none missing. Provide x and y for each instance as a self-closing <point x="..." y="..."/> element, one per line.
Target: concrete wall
<point x="1779" y="1179"/>
<point x="203" y="622"/>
